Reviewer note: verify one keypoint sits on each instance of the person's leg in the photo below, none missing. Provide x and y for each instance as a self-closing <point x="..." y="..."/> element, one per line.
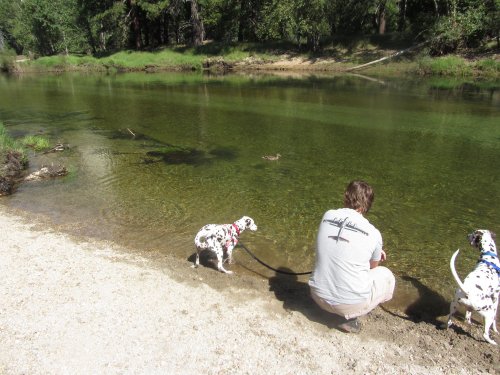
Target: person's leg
<point x="383" y="286"/>
<point x="383" y="283"/>
<point x="350" y="323"/>
<point x="382" y="291"/>
<point x="343" y="310"/>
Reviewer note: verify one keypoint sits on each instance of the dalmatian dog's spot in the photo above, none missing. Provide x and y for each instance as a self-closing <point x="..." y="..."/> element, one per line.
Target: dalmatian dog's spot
<point x="481" y="288"/>
<point x="221" y="239"/>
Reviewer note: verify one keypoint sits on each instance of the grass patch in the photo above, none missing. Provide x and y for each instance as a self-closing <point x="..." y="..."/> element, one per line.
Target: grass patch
<point x="457" y="66"/>
<point x="36" y="142"/>
<point x="234" y="52"/>
<point x="445" y="66"/>
<point x="9" y="146"/>
<point x="179" y="58"/>
<point x="396" y="68"/>
<point x="61" y="63"/>
<point x="7" y="143"/>
<point x="167" y="58"/>
<point x="489" y="66"/>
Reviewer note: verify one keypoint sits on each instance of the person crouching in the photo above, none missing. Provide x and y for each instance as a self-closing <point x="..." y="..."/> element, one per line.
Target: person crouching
<point x="347" y="279"/>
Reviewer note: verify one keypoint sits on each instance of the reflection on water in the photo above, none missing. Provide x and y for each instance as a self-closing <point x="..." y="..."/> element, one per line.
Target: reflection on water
<point x="155" y="157"/>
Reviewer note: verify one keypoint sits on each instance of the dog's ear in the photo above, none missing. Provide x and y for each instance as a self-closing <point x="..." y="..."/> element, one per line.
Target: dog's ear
<point x="475" y="238"/>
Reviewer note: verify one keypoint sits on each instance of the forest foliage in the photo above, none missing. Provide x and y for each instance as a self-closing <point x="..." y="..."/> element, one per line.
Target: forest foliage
<point x="101" y="27"/>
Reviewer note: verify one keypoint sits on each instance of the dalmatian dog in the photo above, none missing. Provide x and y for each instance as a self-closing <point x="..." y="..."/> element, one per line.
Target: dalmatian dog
<point x="221" y="239"/>
<point x="480" y="290"/>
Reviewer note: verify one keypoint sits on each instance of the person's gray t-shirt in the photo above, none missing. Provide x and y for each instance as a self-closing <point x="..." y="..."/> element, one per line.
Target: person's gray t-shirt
<point x="346" y="244"/>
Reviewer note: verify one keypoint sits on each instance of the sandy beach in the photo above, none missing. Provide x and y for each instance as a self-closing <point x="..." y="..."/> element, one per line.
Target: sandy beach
<point x="79" y="306"/>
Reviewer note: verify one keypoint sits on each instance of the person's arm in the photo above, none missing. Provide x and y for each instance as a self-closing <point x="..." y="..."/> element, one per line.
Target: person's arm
<point x="375" y="263"/>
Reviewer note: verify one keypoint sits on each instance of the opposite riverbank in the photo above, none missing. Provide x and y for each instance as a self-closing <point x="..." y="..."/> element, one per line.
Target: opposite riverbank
<point x="75" y="305"/>
<point x="222" y="58"/>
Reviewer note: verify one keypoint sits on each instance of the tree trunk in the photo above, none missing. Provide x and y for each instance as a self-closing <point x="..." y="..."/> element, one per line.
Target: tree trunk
<point x="65" y="43"/>
<point x="164" y="30"/>
<point x="136" y="29"/>
<point x="381" y="22"/>
<point x="381" y="19"/>
<point x="242" y="22"/>
<point x="102" y="38"/>
<point x="402" y="15"/>
<point x="1" y="41"/>
<point x="197" y="24"/>
<point x="135" y="25"/>
<point x="436" y="7"/>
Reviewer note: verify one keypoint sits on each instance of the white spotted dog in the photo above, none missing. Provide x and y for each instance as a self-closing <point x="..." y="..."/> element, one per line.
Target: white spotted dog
<point x="481" y="288"/>
<point x="221" y="239"/>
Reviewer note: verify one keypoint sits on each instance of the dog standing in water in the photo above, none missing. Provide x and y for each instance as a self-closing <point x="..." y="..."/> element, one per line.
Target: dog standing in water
<point x="481" y="288"/>
<point x="221" y="239"/>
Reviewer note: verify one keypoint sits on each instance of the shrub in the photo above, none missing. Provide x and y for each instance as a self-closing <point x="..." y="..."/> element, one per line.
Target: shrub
<point x="6" y="60"/>
<point x="464" y="30"/>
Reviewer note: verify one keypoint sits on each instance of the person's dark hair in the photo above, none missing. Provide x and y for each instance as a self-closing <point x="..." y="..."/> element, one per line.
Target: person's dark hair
<point x="359" y="195"/>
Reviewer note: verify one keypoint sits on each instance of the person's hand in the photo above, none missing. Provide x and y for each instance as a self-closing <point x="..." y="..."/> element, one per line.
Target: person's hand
<point x="383" y="255"/>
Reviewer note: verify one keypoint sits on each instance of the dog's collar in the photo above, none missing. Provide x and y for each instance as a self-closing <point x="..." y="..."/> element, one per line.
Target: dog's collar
<point x="490" y="254"/>
<point x="236" y="228"/>
<point x="494" y="266"/>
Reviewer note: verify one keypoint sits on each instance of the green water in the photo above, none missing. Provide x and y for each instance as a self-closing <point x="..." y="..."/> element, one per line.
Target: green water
<point x="431" y="151"/>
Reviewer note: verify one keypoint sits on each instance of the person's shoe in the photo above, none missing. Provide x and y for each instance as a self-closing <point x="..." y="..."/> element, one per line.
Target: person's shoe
<point x="350" y="326"/>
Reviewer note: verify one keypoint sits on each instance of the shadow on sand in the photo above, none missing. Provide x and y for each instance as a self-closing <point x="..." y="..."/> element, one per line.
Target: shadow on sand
<point x="429" y="305"/>
<point x="295" y="296"/>
<point x="428" y="308"/>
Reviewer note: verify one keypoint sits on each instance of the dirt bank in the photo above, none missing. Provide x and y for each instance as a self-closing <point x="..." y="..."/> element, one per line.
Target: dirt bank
<point x="71" y="305"/>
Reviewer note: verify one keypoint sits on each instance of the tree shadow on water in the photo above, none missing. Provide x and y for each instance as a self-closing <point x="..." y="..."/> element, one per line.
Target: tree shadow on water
<point x="295" y="296"/>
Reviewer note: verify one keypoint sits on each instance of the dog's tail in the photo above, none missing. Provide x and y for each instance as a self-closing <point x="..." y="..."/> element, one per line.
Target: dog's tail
<point x="454" y="271"/>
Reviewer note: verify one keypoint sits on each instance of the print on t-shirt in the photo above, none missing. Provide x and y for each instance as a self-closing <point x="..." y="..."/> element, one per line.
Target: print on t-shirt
<point x="344" y="224"/>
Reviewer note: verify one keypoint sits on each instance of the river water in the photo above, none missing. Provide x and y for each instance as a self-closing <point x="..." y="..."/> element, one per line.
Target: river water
<point x="430" y="148"/>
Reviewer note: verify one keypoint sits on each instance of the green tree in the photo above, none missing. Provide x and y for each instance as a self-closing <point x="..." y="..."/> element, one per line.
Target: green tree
<point x="150" y="20"/>
<point x="231" y="20"/>
<point x="385" y="14"/>
<point x="348" y="17"/>
<point x="295" y="20"/>
<point x="463" y="24"/>
<point x="249" y="13"/>
<point x="222" y="19"/>
<point x="156" y="21"/>
<point x="47" y="27"/>
<point x="104" y="24"/>
<point x="493" y="19"/>
<point x="9" y="11"/>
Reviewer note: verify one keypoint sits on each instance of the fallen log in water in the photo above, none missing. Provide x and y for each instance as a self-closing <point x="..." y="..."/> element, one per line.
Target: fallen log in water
<point x="387" y="57"/>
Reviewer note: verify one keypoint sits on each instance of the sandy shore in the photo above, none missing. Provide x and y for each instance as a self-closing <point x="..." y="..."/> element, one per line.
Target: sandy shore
<point x="76" y="306"/>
